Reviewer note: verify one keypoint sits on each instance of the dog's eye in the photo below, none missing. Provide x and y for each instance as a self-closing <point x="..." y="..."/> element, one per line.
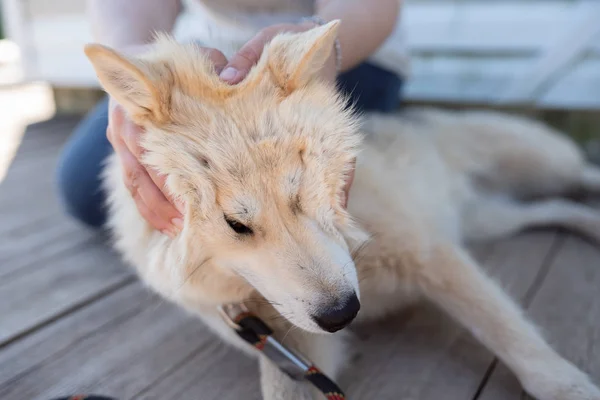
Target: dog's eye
<point x="238" y="227"/>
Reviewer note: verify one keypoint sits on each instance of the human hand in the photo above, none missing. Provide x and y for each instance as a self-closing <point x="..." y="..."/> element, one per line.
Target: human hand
<point x="240" y="64"/>
<point x="145" y="185"/>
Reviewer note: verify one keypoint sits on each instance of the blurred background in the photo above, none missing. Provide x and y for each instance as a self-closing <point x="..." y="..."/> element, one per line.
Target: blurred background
<point x="72" y="318"/>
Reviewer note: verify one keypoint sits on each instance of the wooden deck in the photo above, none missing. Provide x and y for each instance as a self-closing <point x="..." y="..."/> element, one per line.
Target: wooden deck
<point x="74" y="319"/>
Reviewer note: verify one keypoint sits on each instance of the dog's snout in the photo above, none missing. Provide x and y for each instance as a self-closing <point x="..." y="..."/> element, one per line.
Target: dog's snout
<point x="339" y="314"/>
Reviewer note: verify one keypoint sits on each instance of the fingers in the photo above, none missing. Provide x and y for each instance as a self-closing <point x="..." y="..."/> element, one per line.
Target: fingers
<point x="217" y="58"/>
<point x="131" y="137"/>
<point x="241" y="63"/>
<point x="151" y="202"/>
<point x="144" y="186"/>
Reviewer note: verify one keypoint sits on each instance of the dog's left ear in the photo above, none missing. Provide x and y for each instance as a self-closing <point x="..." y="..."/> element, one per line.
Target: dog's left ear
<point x="133" y="82"/>
<point x="295" y="58"/>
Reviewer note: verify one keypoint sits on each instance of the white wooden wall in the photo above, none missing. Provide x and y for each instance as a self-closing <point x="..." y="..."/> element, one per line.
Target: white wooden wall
<point x="544" y="53"/>
<point x="51" y="35"/>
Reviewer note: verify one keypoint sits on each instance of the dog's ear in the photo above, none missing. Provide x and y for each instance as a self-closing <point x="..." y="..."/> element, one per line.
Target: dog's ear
<point x="130" y="81"/>
<point x="294" y="58"/>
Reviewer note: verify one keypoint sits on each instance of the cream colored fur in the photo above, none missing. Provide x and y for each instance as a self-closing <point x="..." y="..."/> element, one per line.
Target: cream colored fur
<point x="273" y="153"/>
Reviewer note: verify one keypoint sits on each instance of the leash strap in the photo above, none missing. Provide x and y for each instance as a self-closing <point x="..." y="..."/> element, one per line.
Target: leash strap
<point x="255" y="332"/>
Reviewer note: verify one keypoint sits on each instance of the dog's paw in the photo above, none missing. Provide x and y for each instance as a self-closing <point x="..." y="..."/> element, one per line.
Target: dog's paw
<point x="561" y="382"/>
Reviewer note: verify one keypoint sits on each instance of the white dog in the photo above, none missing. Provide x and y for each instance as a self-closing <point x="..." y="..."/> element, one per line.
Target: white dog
<point x="260" y="167"/>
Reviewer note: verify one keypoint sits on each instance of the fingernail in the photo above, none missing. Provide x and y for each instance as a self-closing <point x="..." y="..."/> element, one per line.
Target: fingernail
<point x="178" y="222"/>
<point x="228" y="74"/>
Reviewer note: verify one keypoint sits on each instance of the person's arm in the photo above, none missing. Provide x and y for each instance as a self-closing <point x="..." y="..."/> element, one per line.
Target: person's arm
<point x="366" y="24"/>
<point x="125" y="23"/>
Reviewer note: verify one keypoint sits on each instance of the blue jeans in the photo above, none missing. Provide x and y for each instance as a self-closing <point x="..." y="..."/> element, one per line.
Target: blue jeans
<point x="370" y="89"/>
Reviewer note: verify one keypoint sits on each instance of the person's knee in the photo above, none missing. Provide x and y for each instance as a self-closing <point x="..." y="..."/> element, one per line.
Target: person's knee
<point x="68" y="197"/>
<point x="79" y="166"/>
<point x="371" y="88"/>
<point x="74" y="192"/>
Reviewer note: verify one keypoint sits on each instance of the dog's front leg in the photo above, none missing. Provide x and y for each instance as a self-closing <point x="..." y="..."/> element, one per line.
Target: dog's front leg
<point x="452" y="279"/>
<point x="325" y="351"/>
<point x="276" y="385"/>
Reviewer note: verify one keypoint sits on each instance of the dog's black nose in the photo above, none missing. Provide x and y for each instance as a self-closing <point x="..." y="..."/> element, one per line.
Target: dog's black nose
<point x="339" y="314"/>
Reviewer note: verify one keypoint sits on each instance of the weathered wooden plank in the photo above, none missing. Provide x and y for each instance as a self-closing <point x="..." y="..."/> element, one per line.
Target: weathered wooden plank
<point x="36" y="159"/>
<point x="45" y="291"/>
<point x="20" y="220"/>
<point x="29" y="206"/>
<point x="131" y="345"/>
<point x="567" y="308"/>
<point x="157" y="357"/>
<point x="46" y="271"/>
<point x="48" y="238"/>
<point x="41" y="134"/>
<point x="37" y="143"/>
<point x="30" y="194"/>
<point x="41" y="139"/>
<point x="28" y="155"/>
<point x="34" y="227"/>
<point x="428" y="356"/>
<point x="31" y="158"/>
<point x="29" y="354"/>
<point x="213" y="372"/>
<point x="122" y="357"/>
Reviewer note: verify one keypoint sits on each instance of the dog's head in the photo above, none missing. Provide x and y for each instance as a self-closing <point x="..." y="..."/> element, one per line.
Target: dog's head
<point x="261" y="166"/>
